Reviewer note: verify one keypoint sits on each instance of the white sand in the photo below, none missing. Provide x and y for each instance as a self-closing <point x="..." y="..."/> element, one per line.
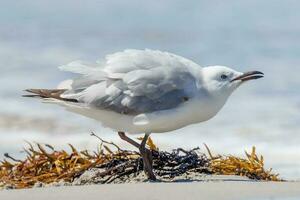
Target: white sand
<point x="221" y="190"/>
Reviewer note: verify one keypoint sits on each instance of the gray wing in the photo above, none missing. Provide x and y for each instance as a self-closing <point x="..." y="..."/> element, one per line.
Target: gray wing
<point x="138" y="89"/>
<point x="147" y="91"/>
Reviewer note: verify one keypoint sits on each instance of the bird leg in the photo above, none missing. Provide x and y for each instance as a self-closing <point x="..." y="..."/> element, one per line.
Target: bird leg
<point x="145" y="153"/>
<point x="147" y="158"/>
<point x="129" y="140"/>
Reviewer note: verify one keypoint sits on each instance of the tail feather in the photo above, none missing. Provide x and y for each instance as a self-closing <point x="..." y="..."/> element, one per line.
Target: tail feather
<point x="48" y="93"/>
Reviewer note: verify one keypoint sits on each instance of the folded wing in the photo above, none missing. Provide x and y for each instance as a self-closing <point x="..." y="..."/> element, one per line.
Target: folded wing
<point x="133" y="82"/>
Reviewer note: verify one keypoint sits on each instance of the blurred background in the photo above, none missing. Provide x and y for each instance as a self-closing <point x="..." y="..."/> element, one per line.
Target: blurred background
<point x="38" y="36"/>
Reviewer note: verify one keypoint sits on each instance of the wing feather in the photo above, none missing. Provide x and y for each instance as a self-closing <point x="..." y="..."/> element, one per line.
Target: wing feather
<point x="134" y="82"/>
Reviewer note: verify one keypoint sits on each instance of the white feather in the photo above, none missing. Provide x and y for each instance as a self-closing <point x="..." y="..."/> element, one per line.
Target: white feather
<point x="79" y="67"/>
<point x="66" y="84"/>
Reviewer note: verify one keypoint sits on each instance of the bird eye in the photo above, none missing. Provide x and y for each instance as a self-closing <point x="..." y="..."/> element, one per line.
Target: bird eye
<point x="223" y="76"/>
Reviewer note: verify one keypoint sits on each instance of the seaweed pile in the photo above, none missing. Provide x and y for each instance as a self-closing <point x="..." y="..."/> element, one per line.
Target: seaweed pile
<point x="252" y="166"/>
<point x="45" y="165"/>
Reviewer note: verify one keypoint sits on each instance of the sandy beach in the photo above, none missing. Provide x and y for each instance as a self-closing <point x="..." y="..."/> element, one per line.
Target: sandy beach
<point x="231" y="190"/>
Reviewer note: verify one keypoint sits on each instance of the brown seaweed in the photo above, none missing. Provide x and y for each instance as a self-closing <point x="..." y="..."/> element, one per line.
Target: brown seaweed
<point x="44" y="164"/>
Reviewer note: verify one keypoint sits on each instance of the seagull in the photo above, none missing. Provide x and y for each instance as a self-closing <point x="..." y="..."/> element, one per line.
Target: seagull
<point x="145" y="91"/>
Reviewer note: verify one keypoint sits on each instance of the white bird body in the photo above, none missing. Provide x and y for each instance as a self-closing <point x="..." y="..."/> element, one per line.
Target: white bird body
<point x="191" y="112"/>
<point x="146" y="91"/>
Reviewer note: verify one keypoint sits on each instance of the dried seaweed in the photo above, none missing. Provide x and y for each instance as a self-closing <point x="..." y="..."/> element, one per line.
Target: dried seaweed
<point x="252" y="166"/>
<point x="43" y="164"/>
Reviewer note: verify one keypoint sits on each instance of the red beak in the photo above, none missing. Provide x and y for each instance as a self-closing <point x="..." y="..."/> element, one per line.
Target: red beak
<point x="249" y="76"/>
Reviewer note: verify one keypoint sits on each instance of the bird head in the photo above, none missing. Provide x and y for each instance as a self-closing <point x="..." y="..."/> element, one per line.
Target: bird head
<point x="222" y="81"/>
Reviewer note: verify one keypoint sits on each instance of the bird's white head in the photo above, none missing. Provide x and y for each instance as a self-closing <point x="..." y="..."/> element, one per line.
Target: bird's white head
<point x="222" y="81"/>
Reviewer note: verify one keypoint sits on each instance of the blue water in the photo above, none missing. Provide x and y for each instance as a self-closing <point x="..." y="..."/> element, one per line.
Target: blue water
<point x="36" y="37"/>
